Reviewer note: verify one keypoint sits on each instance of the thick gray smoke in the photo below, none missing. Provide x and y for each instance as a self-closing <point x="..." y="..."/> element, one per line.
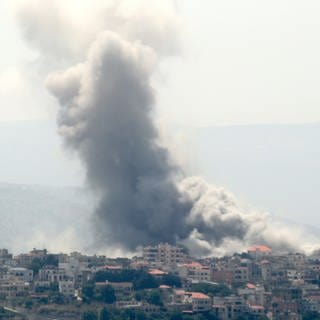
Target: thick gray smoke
<point x="106" y="116"/>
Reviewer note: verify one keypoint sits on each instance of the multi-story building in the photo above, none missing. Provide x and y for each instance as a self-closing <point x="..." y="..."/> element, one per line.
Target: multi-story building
<point x="67" y="288"/>
<point x="230" y="307"/>
<point x="74" y="268"/>
<point x="164" y="254"/>
<point x="5" y="257"/>
<point x="22" y="274"/>
<point x="259" y="251"/>
<point x="52" y="274"/>
<point x="25" y="259"/>
<point x="122" y="290"/>
<point x="10" y="289"/>
<point x="195" y="271"/>
<point x="200" y="302"/>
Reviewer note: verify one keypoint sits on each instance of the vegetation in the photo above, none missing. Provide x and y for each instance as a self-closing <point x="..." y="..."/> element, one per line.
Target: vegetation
<point x="105" y="294"/>
<point x="140" y="278"/>
<point x="311" y="315"/>
<point x="212" y="289"/>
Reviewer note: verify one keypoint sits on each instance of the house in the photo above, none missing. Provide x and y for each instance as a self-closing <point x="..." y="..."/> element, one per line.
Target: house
<point x="67" y="288"/>
<point x="22" y="274"/>
<point x="200" y="302"/>
<point x="259" y="251"/>
<point x="195" y="271"/>
<point x="230" y="307"/>
<point x="122" y="290"/>
<point x="191" y="301"/>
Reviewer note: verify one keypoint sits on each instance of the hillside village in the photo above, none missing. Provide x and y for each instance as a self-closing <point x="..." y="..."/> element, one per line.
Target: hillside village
<point x="163" y="283"/>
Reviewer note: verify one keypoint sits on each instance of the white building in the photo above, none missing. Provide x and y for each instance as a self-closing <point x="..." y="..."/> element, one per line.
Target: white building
<point x="191" y="301"/>
<point x="195" y="272"/>
<point x="22" y="274"/>
<point x="200" y="302"/>
<point x="52" y="274"/>
<point x="164" y="254"/>
<point x="66" y="287"/>
<point x="73" y="267"/>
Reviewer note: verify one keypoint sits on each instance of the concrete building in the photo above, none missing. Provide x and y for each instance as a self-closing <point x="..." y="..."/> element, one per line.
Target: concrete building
<point x="164" y="254"/>
<point x="259" y="251"/>
<point x="67" y="288"/>
<point x="241" y="274"/>
<point x="200" y="302"/>
<point x="195" y="271"/>
<point x="5" y="258"/>
<point x="190" y="301"/>
<point x="74" y="268"/>
<point x="22" y="274"/>
<point x="14" y="289"/>
<point x="52" y="274"/>
<point x="230" y="307"/>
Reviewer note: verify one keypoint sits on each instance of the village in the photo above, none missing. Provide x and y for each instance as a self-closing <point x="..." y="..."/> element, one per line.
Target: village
<point x="164" y="282"/>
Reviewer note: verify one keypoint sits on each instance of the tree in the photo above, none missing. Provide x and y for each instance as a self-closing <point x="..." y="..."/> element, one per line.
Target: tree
<point x="176" y="316"/>
<point x="28" y="304"/>
<point x="57" y="298"/>
<point x="36" y="265"/>
<point x="88" y="292"/>
<point x="171" y="280"/>
<point x="104" y="314"/>
<point x="311" y="315"/>
<point x="51" y="260"/>
<point x="106" y="294"/>
<point x="154" y="298"/>
<point x="212" y="289"/>
<point x="145" y="281"/>
<point x="140" y="315"/>
<point x="89" y="315"/>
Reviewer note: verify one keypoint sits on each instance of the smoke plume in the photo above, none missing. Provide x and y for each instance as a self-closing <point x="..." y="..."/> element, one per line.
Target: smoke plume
<point x="106" y="115"/>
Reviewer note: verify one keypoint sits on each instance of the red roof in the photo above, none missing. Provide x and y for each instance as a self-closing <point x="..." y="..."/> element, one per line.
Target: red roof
<point x="179" y="292"/>
<point x="256" y="307"/>
<point x="198" y="295"/>
<point x="156" y="272"/>
<point x="251" y="286"/>
<point x="109" y="267"/>
<point x="164" y="287"/>
<point x="260" y="248"/>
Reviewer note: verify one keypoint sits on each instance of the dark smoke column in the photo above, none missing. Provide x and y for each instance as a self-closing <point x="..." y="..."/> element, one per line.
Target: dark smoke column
<point x="105" y="115"/>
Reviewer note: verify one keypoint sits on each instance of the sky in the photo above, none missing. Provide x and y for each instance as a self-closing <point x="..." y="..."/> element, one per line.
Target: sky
<point x="240" y="62"/>
<point x="251" y="67"/>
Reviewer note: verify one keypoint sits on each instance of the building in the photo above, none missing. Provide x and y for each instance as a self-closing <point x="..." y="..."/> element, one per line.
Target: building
<point x="200" y="302"/>
<point x="259" y="251"/>
<point x="164" y="254"/>
<point x="122" y="290"/>
<point x="5" y="258"/>
<point x="22" y="274"/>
<point x="66" y="287"/>
<point x="195" y="271"/>
<point x="241" y="274"/>
<point x="14" y="289"/>
<point x="74" y="268"/>
<point x="230" y="307"/>
<point x="25" y="259"/>
<point x="190" y="301"/>
<point x="52" y="274"/>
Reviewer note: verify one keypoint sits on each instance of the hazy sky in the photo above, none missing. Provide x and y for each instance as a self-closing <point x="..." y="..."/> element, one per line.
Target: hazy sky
<point x="240" y="62"/>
